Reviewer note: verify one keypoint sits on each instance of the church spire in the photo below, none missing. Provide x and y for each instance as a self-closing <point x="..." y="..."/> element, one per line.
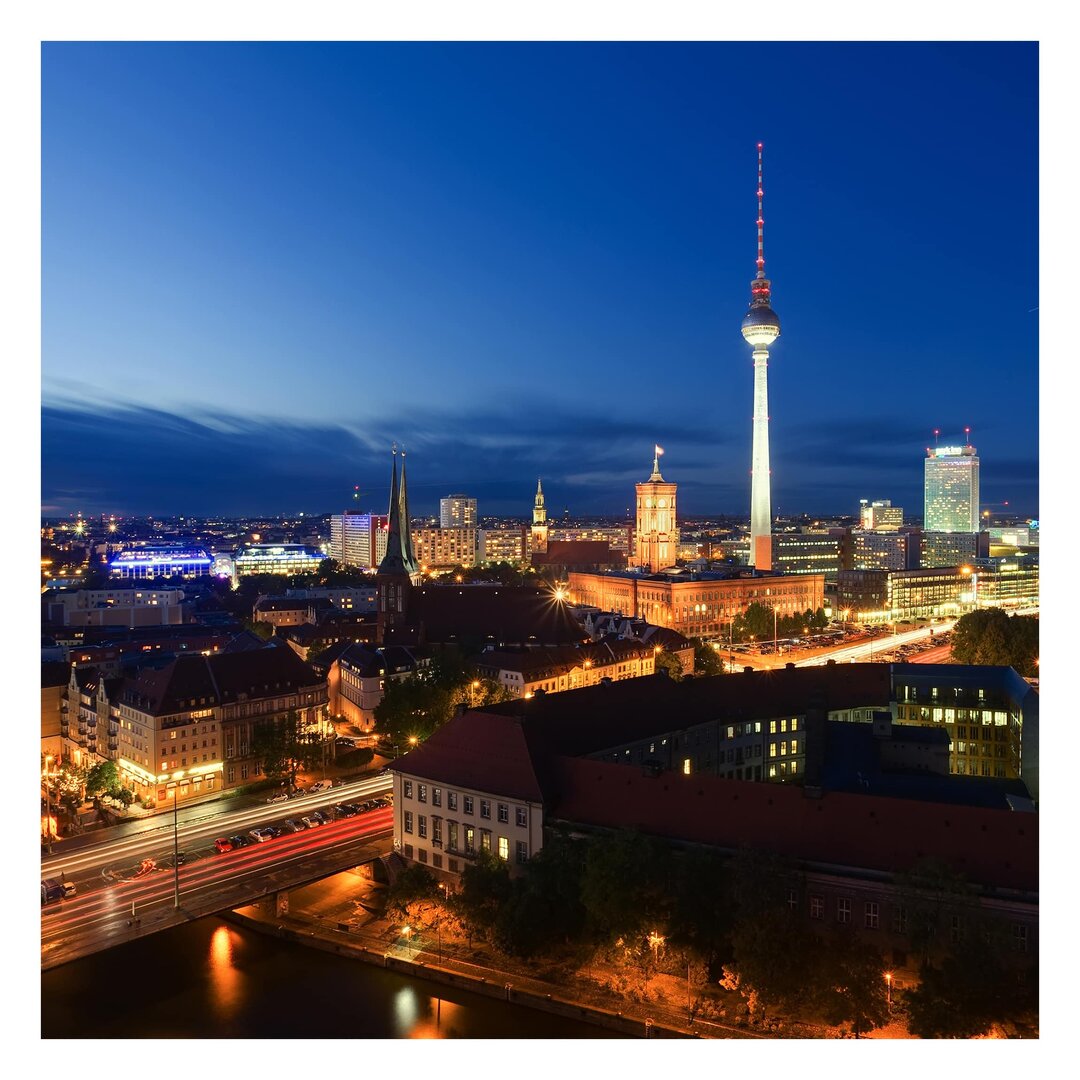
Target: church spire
<point x="399" y="558"/>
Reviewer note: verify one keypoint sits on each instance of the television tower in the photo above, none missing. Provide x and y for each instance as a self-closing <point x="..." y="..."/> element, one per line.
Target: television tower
<point x="760" y="328"/>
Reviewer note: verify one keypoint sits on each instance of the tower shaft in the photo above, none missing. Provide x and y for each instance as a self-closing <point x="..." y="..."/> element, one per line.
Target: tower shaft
<point x="760" y="491"/>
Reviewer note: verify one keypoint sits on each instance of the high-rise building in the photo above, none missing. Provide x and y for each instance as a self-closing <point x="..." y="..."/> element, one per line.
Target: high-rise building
<point x="880" y="514"/>
<point x="445" y="547"/>
<point x="657" y="535"/>
<point x="358" y="539"/>
<point x="457" y="511"/>
<point x="760" y="328"/>
<point x="951" y="489"/>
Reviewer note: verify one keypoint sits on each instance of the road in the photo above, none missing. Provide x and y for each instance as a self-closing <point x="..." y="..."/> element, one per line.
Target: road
<point x="115" y="901"/>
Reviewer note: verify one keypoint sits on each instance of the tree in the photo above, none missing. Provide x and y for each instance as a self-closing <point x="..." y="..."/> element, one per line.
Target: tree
<point x="264" y="630"/>
<point x="991" y="636"/>
<point x="544" y="908"/>
<point x="854" y="989"/>
<point x="103" y="778"/>
<point x="624" y="887"/>
<point x="412" y="885"/>
<point x="485" y="887"/>
<point x="669" y="662"/>
<point x="775" y="955"/>
<point x="284" y="748"/>
<point x="701" y="916"/>
<point x="928" y="891"/>
<point x="970" y="990"/>
<point x="706" y="659"/>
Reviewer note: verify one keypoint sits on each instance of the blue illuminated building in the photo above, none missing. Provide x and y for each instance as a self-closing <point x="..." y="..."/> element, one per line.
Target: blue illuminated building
<point x="155" y="562"/>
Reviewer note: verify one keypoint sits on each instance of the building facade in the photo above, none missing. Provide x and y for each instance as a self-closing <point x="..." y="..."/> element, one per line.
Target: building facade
<point x="509" y="544"/>
<point x="154" y="562"/>
<point x="991" y="716"/>
<point x="277" y="559"/>
<point x="887" y="549"/>
<point x="951" y="489"/>
<point x="954" y="548"/>
<point x="526" y="672"/>
<point x="445" y="547"/>
<point x="886" y="596"/>
<point x="696" y="605"/>
<point x="880" y="514"/>
<point x="358" y="539"/>
<point x="457" y="512"/>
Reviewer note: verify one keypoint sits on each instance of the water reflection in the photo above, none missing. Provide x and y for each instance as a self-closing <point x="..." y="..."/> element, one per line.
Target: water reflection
<point x="224" y="977"/>
<point x="228" y="982"/>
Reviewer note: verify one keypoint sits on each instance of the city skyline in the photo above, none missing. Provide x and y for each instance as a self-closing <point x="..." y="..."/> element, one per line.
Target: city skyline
<point x="249" y="294"/>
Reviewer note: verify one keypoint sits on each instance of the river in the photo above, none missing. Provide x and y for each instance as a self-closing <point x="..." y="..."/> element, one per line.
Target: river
<point x="210" y="979"/>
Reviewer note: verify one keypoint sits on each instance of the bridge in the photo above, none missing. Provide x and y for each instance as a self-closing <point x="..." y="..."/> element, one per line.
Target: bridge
<point x="131" y="887"/>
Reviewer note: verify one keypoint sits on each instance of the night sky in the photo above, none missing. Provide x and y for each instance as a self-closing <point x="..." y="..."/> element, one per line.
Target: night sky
<point x="261" y="264"/>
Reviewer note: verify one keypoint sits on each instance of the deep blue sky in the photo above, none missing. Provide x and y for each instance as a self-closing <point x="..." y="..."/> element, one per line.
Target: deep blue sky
<point x="263" y="263"/>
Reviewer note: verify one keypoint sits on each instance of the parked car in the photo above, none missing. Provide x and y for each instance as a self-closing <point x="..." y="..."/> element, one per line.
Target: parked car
<point x="320" y="817"/>
<point x="346" y="809"/>
<point x="222" y="844"/>
<point x="239" y="841"/>
<point x="311" y="822"/>
<point x="292" y="826"/>
<point x="258" y="836"/>
<point x="283" y="797"/>
<point x="271" y="832"/>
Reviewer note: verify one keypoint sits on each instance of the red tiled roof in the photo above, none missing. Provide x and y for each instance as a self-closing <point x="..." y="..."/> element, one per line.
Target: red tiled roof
<point x="579" y="553"/>
<point x="498" y="614"/>
<point x="596" y="717"/>
<point x="480" y="751"/>
<point x="989" y="847"/>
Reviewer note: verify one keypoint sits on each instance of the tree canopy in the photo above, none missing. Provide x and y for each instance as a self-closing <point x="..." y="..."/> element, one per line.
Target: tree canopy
<point x="991" y="636"/>
<point x="757" y="623"/>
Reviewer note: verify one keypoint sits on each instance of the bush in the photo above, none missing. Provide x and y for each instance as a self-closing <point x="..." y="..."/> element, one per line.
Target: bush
<point x="355" y="759"/>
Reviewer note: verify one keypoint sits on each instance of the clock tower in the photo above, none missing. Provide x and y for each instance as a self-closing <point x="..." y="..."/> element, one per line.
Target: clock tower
<point x="657" y="535"/>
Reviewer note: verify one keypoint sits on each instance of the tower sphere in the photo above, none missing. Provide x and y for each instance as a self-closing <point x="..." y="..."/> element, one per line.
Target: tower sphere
<point x="760" y="325"/>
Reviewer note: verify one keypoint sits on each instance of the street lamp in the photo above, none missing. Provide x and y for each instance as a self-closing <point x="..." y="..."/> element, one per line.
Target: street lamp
<point x="775" y="613"/>
<point x="48" y="804"/>
<point x="175" y="788"/>
<point x="888" y="983"/>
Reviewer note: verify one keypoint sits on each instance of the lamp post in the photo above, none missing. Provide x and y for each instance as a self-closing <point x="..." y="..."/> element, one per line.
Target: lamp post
<point x="888" y="983"/>
<point x="176" y="846"/>
<point x="48" y="805"/>
<point x="775" y="613"/>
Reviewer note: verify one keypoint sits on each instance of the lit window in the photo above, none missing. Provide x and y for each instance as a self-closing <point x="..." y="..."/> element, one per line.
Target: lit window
<point x="686" y="766"/>
<point x="504" y="849"/>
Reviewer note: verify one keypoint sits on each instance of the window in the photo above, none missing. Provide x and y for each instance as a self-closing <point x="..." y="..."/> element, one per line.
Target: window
<point x="956" y="928"/>
<point x="485" y="839"/>
<point x="421" y="792"/>
<point x="504" y="814"/>
<point x="436" y="830"/>
<point x="504" y="849"/>
<point x="1019" y="936"/>
<point x="485" y="808"/>
<point x="817" y="907"/>
<point x="686" y="766"/>
<point x="408" y="821"/>
<point x="843" y="910"/>
<point x="870" y="915"/>
<point x="523" y="854"/>
<point x="522" y="817"/>
<point x="468" y="804"/>
<point x="421" y="827"/>
<point x="408" y="789"/>
<point x="792" y="899"/>
<point x="436" y="796"/>
<point x="451" y="800"/>
<point x="470" y="839"/>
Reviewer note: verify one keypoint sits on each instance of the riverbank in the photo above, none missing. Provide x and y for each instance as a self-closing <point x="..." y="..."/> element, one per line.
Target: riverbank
<point x="345" y="916"/>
